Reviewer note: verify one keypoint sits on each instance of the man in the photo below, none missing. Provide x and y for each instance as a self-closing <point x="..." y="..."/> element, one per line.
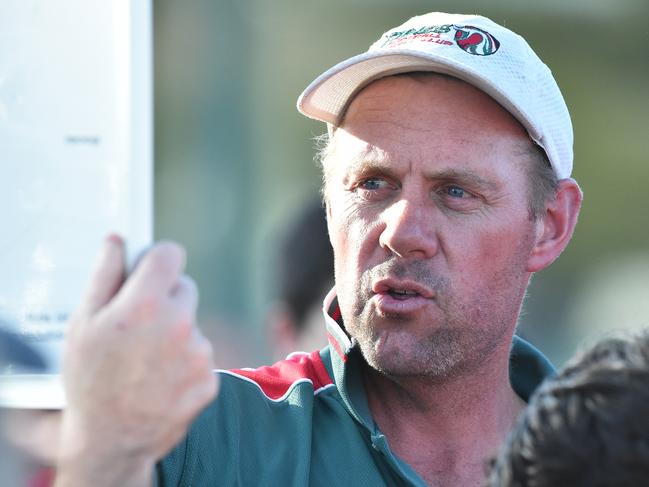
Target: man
<point x="588" y="426"/>
<point x="446" y="182"/>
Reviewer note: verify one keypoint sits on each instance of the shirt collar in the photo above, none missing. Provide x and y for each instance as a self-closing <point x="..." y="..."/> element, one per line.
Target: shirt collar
<point x="346" y="363"/>
<point x="339" y="340"/>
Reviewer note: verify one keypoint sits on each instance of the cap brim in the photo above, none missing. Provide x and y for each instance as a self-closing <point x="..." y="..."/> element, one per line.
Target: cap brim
<point x="328" y="96"/>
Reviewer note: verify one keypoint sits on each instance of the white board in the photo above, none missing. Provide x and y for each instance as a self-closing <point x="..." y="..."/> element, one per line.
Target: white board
<point x="76" y="163"/>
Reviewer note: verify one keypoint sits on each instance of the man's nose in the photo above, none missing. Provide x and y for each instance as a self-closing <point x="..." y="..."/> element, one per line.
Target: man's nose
<point x="409" y="230"/>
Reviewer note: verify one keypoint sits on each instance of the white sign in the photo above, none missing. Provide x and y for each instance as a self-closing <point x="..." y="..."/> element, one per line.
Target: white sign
<point x="75" y="163"/>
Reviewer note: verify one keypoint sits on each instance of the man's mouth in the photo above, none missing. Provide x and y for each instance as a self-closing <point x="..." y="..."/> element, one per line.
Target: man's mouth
<point x="402" y="293"/>
<point x="392" y="298"/>
<point x="402" y="289"/>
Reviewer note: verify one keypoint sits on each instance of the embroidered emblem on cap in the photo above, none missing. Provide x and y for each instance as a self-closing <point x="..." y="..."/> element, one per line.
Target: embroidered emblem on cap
<point x="475" y="41"/>
<point x="467" y="37"/>
<point x="432" y="33"/>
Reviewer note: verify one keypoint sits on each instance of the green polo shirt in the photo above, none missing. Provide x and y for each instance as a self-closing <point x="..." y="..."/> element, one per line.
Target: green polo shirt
<point x="305" y="421"/>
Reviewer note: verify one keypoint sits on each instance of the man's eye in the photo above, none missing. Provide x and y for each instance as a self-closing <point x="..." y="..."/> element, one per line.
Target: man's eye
<point x="373" y="184"/>
<point x="456" y="192"/>
<point x="373" y="189"/>
<point x="457" y="198"/>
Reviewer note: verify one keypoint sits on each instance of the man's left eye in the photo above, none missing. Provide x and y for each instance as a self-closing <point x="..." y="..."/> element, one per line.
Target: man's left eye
<point x="456" y="192"/>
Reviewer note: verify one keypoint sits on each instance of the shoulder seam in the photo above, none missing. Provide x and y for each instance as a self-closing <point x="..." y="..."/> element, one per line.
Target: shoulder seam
<point x="284" y="396"/>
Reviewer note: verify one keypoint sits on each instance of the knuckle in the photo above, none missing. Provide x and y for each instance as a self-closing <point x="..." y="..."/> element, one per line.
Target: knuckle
<point x="182" y="321"/>
<point x="181" y="328"/>
<point x="146" y="308"/>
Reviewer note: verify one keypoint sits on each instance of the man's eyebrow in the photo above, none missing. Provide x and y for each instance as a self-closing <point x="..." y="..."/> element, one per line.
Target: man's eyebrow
<point x="369" y="159"/>
<point x="461" y="175"/>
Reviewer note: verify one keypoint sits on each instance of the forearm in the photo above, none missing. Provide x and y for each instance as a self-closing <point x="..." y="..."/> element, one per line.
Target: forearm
<point x="104" y="473"/>
<point x="88" y="457"/>
<point x="84" y="473"/>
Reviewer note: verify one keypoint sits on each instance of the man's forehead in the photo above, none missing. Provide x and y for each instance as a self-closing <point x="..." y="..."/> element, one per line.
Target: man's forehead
<point x="423" y="115"/>
<point x="382" y="96"/>
<point x="356" y="151"/>
<point x="428" y="95"/>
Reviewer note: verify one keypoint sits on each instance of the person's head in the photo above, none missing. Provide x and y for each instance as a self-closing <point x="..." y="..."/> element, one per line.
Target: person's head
<point x="586" y="427"/>
<point x="303" y="273"/>
<point x="439" y="203"/>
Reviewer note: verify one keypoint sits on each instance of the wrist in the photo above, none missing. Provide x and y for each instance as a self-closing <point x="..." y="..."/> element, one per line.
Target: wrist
<point x="86" y="471"/>
<point x="90" y="456"/>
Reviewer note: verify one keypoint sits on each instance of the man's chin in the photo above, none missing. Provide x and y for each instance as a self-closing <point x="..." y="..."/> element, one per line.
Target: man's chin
<point x="441" y="372"/>
<point x="408" y="357"/>
<point x="443" y="358"/>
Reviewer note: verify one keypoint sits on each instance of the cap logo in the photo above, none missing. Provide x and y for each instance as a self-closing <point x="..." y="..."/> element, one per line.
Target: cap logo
<point x="467" y="37"/>
<point x="475" y="41"/>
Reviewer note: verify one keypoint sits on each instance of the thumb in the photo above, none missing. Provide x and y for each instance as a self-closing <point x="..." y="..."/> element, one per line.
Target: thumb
<point x="107" y="276"/>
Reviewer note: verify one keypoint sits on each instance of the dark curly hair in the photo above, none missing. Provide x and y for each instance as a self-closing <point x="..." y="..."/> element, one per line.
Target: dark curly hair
<point x="586" y="427"/>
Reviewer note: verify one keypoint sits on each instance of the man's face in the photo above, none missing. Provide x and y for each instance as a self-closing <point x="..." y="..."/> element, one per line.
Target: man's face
<point x="428" y="216"/>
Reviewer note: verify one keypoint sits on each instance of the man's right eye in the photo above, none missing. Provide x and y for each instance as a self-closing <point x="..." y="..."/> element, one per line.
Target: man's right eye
<point x="372" y="184"/>
<point x="373" y="189"/>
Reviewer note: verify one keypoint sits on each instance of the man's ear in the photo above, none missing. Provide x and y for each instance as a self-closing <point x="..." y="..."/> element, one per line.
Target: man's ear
<point x="554" y="228"/>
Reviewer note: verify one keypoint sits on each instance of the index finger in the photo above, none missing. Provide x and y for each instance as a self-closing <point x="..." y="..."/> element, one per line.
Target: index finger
<point x="107" y="276"/>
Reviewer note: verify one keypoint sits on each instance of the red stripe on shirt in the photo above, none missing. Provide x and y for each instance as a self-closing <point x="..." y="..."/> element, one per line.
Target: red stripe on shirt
<point x="276" y="380"/>
<point x="336" y="314"/>
<point x="334" y="343"/>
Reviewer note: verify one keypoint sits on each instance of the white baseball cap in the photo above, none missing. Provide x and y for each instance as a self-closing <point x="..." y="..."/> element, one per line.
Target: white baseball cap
<point x="471" y="48"/>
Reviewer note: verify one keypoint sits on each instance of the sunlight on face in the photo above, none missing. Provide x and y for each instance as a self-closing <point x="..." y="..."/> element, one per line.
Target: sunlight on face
<point x="427" y="208"/>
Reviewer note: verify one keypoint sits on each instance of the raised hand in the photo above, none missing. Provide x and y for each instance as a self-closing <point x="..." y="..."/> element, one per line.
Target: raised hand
<point x="136" y="369"/>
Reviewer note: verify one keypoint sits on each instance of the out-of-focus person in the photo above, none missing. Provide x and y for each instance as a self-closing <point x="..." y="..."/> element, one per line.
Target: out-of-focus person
<point x="586" y="427"/>
<point x="303" y="273"/>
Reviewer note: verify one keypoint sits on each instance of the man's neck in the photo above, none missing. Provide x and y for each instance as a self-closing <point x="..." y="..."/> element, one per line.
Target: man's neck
<point x="446" y="429"/>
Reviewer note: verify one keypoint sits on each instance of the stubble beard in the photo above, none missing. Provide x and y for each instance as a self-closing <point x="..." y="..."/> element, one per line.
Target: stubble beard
<point x="461" y="338"/>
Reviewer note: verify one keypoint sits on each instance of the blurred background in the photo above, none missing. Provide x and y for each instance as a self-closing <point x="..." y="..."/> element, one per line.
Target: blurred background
<point x="234" y="159"/>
